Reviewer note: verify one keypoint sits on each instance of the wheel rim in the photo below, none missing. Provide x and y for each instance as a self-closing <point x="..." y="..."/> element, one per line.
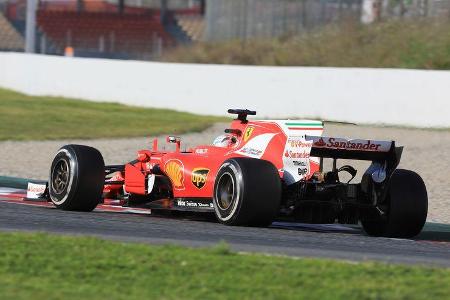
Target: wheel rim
<point x="226" y="191"/>
<point x="60" y="176"/>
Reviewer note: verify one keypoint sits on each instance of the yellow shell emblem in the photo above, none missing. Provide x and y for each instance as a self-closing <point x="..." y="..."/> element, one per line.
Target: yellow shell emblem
<point x="175" y="170"/>
<point x="248" y="133"/>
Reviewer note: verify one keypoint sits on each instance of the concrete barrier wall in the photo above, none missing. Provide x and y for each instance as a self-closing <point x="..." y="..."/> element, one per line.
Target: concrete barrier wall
<point x="372" y="96"/>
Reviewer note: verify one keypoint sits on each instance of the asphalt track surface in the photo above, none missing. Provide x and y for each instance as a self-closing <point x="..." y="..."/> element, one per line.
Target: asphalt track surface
<point x="432" y="247"/>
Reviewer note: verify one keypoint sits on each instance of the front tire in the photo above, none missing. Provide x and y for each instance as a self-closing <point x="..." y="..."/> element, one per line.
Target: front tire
<point x="77" y="177"/>
<point x="247" y="192"/>
<point x="407" y="207"/>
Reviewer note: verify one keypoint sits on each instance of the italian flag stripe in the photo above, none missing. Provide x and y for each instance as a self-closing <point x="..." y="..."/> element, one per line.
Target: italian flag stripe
<point x="305" y="128"/>
<point x="305" y="124"/>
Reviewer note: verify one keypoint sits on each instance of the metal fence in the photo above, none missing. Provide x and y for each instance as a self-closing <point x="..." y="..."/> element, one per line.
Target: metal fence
<point x="243" y="19"/>
<point x="385" y="9"/>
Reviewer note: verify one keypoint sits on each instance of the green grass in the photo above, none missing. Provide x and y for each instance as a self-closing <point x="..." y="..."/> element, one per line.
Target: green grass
<point x="421" y="44"/>
<point x="42" y="266"/>
<point x="37" y="118"/>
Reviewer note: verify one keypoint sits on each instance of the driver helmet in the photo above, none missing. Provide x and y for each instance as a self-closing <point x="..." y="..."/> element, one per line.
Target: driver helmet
<point x="224" y="140"/>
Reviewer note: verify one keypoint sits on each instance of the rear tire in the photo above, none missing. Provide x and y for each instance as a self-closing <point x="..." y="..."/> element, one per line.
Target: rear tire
<point x="247" y="192"/>
<point x="77" y="177"/>
<point x="407" y="202"/>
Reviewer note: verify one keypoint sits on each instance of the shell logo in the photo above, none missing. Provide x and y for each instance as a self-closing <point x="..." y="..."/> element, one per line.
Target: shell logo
<point x="175" y="170"/>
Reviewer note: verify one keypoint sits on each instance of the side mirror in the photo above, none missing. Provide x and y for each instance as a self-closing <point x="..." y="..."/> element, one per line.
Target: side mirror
<point x="176" y="140"/>
<point x="173" y="139"/>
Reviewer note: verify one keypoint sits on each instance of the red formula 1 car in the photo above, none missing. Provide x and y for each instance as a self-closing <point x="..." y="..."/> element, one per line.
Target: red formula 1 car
<point x="257" y="172"/>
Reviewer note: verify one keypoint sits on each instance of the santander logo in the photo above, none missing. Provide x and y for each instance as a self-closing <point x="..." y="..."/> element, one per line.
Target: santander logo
<point x="336" y="143"/>
<point x="320" y="143"/>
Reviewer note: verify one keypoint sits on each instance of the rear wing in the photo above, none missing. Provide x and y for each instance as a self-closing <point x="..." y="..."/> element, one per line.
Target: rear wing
<point x="360" y="149"/>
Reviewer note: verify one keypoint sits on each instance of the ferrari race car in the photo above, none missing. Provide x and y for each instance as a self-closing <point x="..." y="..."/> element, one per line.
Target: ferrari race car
<point x="255" y="173"/>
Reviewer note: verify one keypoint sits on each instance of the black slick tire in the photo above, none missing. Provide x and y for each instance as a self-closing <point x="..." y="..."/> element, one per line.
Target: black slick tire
<point x="407" y="202"/>
<point x="247" y="192"/>
<point x="77" y="177"/>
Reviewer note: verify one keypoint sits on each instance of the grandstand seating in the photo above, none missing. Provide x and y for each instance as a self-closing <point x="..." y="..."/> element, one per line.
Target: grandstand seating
<point x="10" y="39"/>
<point x="104" y="32"/>
<point x="17" y="9"/>
<point x="193" y="25"/>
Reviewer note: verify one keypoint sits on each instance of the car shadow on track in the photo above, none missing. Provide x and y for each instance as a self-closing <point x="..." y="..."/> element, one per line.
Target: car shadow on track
<point x="322" y="228"/>
<point x="433" y="232"/>
<point x="292" y="226"/>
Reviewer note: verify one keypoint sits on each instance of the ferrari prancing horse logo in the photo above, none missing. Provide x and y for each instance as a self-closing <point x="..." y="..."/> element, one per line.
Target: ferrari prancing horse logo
<point x="248" y="133"/>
